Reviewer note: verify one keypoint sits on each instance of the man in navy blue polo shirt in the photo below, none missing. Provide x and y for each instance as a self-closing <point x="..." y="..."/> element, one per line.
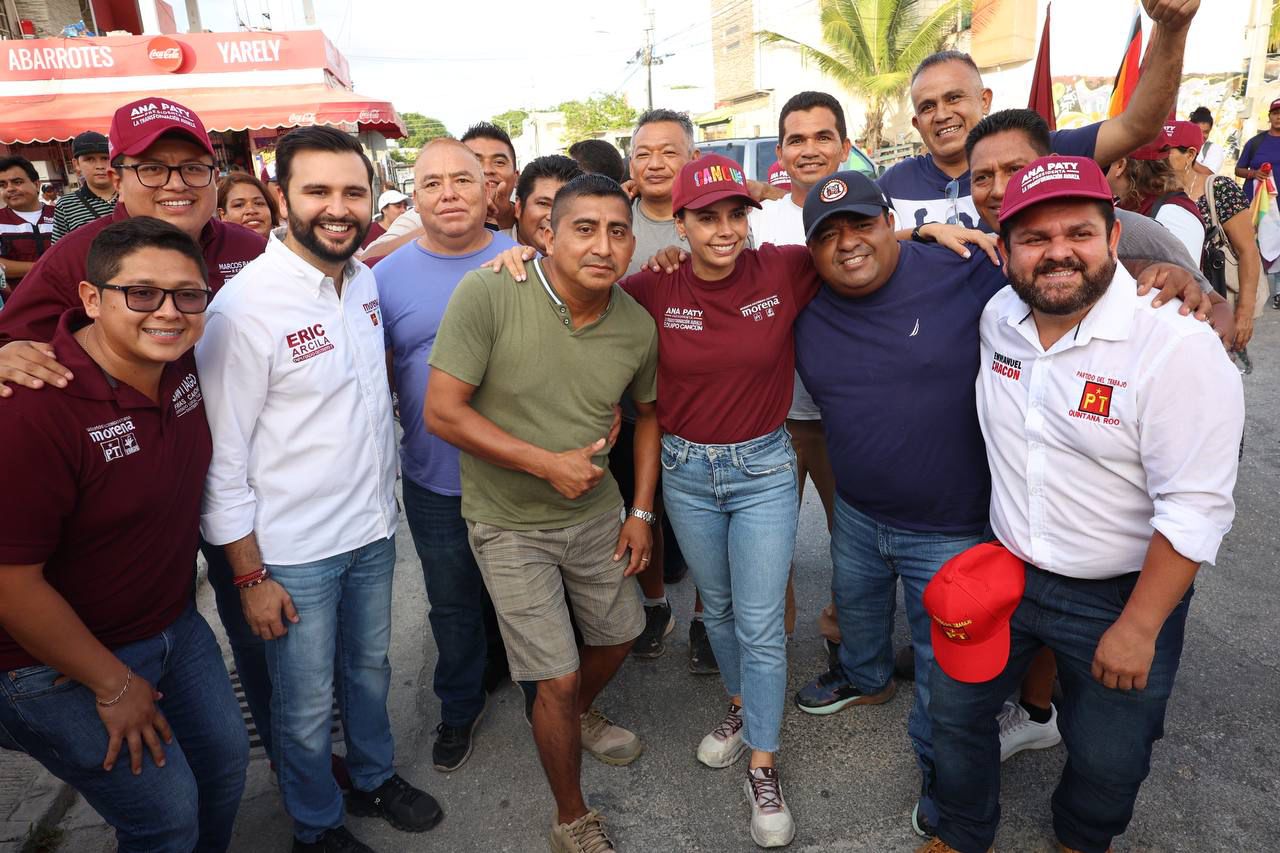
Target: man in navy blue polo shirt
<point x="948" y="99"/>
<point x="102" y="653"/>
<point x="889" y="350"/>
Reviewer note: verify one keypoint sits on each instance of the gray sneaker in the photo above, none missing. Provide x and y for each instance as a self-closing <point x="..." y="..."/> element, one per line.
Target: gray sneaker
<point x="584" y="835"/>
<point x="771" y="823"/>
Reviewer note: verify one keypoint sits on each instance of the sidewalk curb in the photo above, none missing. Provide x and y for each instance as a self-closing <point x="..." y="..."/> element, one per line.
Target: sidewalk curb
<point x="46" y="802"/>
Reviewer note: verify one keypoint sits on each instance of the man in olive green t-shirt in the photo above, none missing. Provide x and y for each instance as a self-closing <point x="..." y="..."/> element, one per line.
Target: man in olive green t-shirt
<point x="524" y="378"/>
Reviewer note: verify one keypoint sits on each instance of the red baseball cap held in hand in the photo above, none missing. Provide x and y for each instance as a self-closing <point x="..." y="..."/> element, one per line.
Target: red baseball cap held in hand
<point x="137" y="125"/>
<point x="707" y="180"/>
<point x="970" y="602"/>
<point x="1051" y="177"/>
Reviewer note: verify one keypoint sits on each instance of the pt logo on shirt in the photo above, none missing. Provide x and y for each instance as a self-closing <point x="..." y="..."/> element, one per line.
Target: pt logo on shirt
<point x="115" y="439"/>
<point x="307" y="342"/>
<point x="763" y="308"/>
<point x="1096" y="399"/>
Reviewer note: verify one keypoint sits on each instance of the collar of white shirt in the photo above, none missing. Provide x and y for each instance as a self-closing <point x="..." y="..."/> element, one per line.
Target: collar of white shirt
<point x="1111" y="318"/>
<point x="303" y="272"/>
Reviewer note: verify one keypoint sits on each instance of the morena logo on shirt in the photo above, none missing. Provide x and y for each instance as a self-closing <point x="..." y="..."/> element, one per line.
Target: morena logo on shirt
<point x="371" y="308"/>
<point x="116" y="439"/>
<point x="762" y="308"/>
<point x="307" y="342"/>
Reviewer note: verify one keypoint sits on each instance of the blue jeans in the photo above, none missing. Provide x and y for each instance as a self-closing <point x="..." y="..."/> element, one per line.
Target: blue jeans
<point x="867" y="560"/>
<point x="341" y="638"/>
<point x="456" y="593"/>
<point x="734" y="509"/>
<point x="247" y="649"/>
<point x="1108" y="733"/>
<point x="191" y="802"/>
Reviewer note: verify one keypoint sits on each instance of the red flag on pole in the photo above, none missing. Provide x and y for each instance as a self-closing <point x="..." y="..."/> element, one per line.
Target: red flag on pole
<point x="1042" y="81"/>
<point x="1127" y="76"/>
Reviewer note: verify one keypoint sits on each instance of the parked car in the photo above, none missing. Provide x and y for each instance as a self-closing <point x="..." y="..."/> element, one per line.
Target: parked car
<point x="757" y="154"/>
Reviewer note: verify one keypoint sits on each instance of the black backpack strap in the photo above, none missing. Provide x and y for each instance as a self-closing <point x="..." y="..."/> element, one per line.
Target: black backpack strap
<point x="1250" y="147"/>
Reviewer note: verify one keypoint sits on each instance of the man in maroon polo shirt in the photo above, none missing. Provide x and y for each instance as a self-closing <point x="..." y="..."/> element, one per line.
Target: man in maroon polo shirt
<point x="165" y="161"/>
<point x="101" y="647"/>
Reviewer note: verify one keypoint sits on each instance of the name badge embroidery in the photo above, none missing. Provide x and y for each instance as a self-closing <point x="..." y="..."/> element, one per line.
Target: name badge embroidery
<point x="307" y="342"/>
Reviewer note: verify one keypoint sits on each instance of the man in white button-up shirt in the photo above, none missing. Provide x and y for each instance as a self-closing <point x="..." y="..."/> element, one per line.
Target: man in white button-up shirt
<point x="301" y="487"/>
<point x="1111" y="430"/>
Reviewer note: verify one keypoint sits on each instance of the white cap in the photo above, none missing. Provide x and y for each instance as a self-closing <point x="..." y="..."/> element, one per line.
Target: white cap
<point x="391" y="197"/>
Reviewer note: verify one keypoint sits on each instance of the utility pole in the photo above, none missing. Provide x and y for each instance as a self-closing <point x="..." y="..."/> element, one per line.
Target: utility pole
<point x="193" y="17"/>
<point x="1258" y="32"/>
<point x="646" y="57"/>
<point x="309" y="13"/>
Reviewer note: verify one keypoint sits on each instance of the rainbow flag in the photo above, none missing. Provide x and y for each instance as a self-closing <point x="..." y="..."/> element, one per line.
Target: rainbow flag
<point x="1130" y="65"/>
<point x="1263" y="189"/>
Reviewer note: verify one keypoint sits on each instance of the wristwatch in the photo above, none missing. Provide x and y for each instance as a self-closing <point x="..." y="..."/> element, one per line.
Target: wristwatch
<point x="920" y="238"/>
<point x="645" y="516"/>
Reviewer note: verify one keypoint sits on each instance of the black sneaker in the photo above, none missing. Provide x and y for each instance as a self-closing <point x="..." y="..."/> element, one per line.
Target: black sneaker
<point x="453" y="744"/>
<point x="832" y="692"/>
<point x="333" y="841"/>
<point x="658" y="623"/>
<point x="1275" y="301"/>
<point x="702" y="660"/>
<point x="398" y="803"/>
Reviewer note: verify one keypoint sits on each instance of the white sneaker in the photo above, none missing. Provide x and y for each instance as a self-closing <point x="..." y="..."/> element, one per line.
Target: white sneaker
<point x="771" y="824"/>
<point x="724" y="745"/>
<point x="1018" y="731"/>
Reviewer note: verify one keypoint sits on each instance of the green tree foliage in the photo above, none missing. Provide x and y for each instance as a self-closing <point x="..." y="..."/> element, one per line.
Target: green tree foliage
<point x="422" y="129"/>
<point x="595" y="115"/>
<point x="873" y="46"/>
<point x="512" y="121"/>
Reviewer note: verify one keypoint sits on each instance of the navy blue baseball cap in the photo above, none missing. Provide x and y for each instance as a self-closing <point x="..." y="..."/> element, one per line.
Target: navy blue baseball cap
<point x="843" y="192"/>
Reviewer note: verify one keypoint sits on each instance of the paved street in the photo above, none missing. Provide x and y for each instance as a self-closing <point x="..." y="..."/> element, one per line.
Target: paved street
<point x="850" y="779"/>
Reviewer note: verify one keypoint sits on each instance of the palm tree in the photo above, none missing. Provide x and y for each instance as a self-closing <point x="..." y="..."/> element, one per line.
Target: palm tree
<point x="873" y="47"/>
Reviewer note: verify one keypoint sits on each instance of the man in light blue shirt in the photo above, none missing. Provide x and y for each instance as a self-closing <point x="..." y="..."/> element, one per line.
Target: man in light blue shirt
<point x="415" y="283"/>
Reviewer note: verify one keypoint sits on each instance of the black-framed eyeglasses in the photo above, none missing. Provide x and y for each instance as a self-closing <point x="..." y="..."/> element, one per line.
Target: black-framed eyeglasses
<point x="156" y="175"/>
<point x="144" y="298"/>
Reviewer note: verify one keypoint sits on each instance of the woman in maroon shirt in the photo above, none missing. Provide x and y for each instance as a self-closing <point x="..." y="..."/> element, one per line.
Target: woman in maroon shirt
<point x="725" y="371"/>
<point x="726" y="364"/>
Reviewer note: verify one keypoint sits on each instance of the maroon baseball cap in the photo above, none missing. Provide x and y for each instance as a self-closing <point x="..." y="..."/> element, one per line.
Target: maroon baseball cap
<point x="778" y="176"/>
<point x="1183" y="134"/>
<point x="1174" y="134"/>
<point x="971" y="601"/>
<point x="707" y="180"/>
<point x="1275" y="105"/>
<point x="1055" y="176"/>
<point x="137" y="125"/>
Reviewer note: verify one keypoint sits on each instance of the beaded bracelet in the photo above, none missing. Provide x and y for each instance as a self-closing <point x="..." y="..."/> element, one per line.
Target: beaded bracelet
<point x="252" y="579"/>
<point x="128" y="679"/>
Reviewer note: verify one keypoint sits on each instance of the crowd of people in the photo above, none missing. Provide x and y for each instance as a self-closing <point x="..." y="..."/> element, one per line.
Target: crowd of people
<point x="605" y="372"/>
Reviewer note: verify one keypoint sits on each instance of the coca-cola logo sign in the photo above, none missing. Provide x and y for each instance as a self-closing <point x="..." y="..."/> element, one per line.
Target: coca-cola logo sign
<point x="165" y="53"/>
